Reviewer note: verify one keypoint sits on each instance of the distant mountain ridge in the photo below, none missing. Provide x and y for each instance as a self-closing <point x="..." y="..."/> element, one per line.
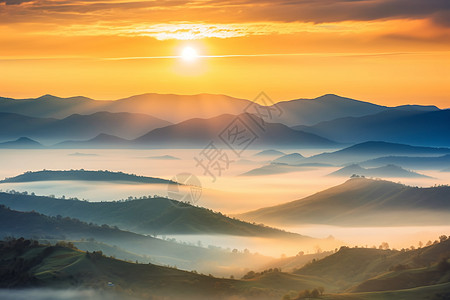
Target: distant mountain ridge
<point x="177" y="108"/>
<point x="203" y="131"/>
<point x="76" y="126"/>
<point x="195" y="133"/>
<point x="415" y="127"/>
<point x="383" y="171"/>
<point x="21" y="143"/>
<point x="374" y="149"/>
<point x="363" y="202"/>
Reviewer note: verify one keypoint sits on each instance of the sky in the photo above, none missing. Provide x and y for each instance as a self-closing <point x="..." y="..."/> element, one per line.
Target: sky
<point x="389" y="52"/>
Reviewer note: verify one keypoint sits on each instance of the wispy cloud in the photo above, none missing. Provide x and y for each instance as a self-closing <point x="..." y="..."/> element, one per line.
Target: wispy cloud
<point x="231" y="11"/>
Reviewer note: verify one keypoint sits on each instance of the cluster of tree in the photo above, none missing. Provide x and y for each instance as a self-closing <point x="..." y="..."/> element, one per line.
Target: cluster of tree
<point x="14" y="269"/>
<point x="96" y="255"/>
<point x="253" y="274"/>
<point x="26" y="193"/>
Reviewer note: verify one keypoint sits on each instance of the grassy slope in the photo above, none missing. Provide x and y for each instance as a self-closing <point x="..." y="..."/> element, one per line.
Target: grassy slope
<point x="59" y="267"/>
<point x="13" y="223"/>
<point x="411" y="278"/>
<point x="352" y="266"/>
<point x="434" y="292"/>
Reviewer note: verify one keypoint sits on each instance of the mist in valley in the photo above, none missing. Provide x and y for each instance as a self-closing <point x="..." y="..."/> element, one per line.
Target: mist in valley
<point x="230" y="194"/>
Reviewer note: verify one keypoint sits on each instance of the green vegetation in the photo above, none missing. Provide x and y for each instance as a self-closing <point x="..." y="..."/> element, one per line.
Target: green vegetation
<point x="37" y="226"/>
<point x="146" y="215"/>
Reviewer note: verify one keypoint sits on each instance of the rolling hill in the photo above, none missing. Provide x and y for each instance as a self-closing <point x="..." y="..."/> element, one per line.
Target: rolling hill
<point x="211" y="260"/>
<point x="146" y="216"/>
<point x="24" y="263"/>
<point x="84" y="175"/>
<point x="364" y="202"/>
<point x="372" y="270"/>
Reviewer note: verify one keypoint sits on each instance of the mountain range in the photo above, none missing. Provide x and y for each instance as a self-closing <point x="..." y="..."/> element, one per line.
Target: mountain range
<point x="126" y="125"/>
<point x="414" y="127"/>
<point x="374" y="149"/>
<point x="316" y="122"/>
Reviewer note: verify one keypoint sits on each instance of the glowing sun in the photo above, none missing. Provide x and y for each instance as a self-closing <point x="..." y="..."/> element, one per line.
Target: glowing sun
<point x="189" y="54"/>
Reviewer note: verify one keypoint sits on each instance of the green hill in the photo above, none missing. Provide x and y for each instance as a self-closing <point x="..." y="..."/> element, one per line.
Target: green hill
<point x="211" y="260"/>
<point x="433" y="292"/>
<point x="363" y="269"/>
<point x="24" y="263"/>
<point x="146" y="215"/>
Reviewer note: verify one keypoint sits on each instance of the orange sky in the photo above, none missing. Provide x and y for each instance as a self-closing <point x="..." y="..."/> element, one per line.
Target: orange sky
<point x="389" y="52"/>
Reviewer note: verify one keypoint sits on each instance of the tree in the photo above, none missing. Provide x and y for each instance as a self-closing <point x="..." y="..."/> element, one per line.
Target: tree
<point x="321" y="289"/>
<point x="443" y="238"/>
<point x="384" y="246"/>
<point x="315" y="293"/>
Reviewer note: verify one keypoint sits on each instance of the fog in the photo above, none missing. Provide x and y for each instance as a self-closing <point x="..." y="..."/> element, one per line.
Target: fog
<point x="229" y="193"/>
<point x="57" y="294"/>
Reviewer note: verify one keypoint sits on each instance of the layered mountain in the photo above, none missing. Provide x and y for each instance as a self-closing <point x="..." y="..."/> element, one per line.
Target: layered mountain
<point x="412" y="162"/>
<point x="323" y="108"/>
<point x="147" y="216"/>
<point x="49" y="106"/>
<point x="237" y="132"/>
<point x="416" y="127"/>
<point x="291" y="159"/>
<point x="126" y="125"/>
<point x="174" y="108"/>
<point x="362" y="202"/>
<point x="374" y="149"/>
<point x="233" y="130"/>
<point x="37" y="226"/>
<point x="177" y="108"/>
<point x="21" y="143"/>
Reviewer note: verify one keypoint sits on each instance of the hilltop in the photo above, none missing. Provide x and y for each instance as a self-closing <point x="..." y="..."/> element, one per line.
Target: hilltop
<point x="364" y="202"/>
<point x="84" y="175"/>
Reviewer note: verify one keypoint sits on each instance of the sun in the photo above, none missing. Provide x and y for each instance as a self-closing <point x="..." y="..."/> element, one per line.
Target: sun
<point x="189" y="54"/>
